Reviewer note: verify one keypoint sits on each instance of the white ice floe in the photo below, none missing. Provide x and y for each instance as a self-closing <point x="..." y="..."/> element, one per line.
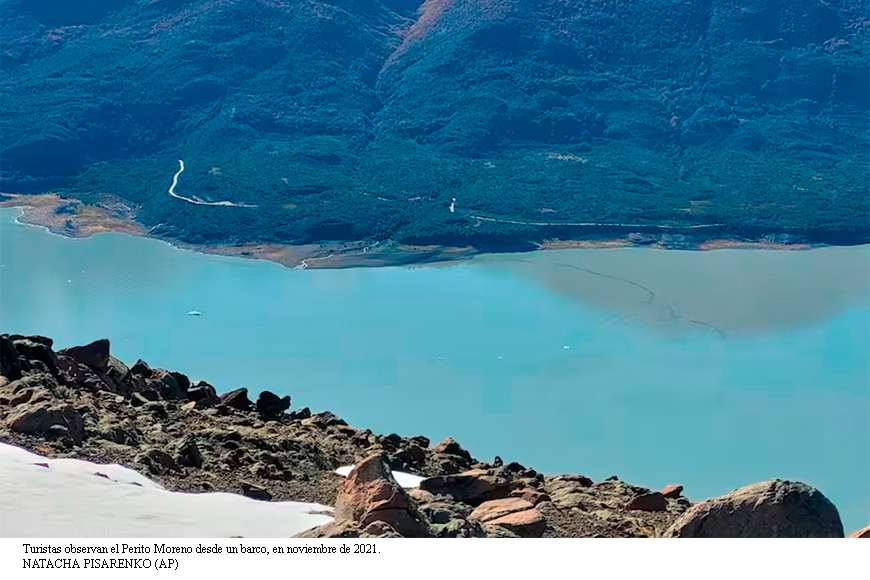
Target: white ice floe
<point x="406" y="480"/>
<point x="41" y="497"/>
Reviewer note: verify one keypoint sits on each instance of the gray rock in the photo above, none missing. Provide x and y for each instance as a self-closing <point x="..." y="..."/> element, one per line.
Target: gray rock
<point x="303" y="413"/>
<point x="472" y="487"/>
<point x="271" y="405"/>
<point x="188" y="453"/>
<point x="141" y="369"/>
<point x="38" y="354"/>
<point x="254" y="491"/>
<point x="770" y="509"/>
<point x="95" y="355"/>
<point x="75" y="373"/>
<point x="237" y="399"/>
<point x="39" y="419"/>
<point x="157" y="462"/>
<point x="204" y="395"/>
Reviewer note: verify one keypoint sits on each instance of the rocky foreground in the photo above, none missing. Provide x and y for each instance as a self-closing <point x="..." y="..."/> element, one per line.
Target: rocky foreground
<point x="82" y="402"/>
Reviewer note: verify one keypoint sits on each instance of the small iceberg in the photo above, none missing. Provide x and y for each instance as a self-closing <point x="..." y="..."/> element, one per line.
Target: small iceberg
<point x="194" y="313"/>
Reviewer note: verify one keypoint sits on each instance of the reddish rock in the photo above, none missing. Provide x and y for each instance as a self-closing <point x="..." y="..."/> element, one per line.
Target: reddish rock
<point x="672" y="491"/>
<point x="649" y="502"/>
<point x="379" y="529"/>
<point x="570" y="481"/>
<point x="532" y="496"/>
<point x="498" y="508"/>
<point x="450" y="447"/>
<point x="371" y="494"/>
<point x="334" y="529"/>
<point x="470" y="486"/>
<point x="420" y="495"/>
<point x="526" y="524"/>
<point x="449" y="458"/>
<point x="865" y="533"/>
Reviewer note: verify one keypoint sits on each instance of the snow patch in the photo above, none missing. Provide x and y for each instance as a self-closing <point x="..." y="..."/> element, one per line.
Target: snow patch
<point x="406" y="480"/>
<point x="73" y="498"/>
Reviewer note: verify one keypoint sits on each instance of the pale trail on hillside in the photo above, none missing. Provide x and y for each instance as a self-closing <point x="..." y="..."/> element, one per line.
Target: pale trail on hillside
<point x="198" y="201"/>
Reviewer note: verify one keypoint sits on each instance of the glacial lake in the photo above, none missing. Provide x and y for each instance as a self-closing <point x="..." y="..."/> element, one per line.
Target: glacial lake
<point x="709" y="369"/>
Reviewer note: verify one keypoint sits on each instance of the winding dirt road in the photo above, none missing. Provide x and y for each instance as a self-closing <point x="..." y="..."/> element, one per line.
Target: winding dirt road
<point x="591" y="224"/>
<point x="198" y="201"/>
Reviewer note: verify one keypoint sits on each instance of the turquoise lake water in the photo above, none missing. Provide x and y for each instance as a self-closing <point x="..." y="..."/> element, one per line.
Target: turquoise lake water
<point x="709" y="369"/>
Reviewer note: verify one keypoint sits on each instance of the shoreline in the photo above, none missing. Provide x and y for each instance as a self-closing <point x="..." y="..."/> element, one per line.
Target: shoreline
<point x="186" y="437"/>
<point x="42" y="211"/>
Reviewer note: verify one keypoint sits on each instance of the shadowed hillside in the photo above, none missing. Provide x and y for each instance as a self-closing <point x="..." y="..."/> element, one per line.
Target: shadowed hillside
<point x="364" y="119"/>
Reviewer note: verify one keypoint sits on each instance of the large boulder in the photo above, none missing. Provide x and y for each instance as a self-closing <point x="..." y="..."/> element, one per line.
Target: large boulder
<point x="237" y="399"/>
<point x="157" y="461"/>
<point x="271" y="405"/>
<point x="448" y="457"/>
<point x="447" y="519"/>
<point x="298" y="415"/>
<point x="525" y="524"/>
<point x="44" y="417"/>
<point x="497" y="508"/>
<point x="472" y="487"/>
<point x="203" y="394"/>
<point x="141" y="369"/>
<point x="36" y="351"/>
<point x="513" y="513"/>
<point x="648" y="502"/>
<point x="30" y="389"/>
<point x="11" y="364"/>
<point x="770" y="509"/>
<point x="170" y="385"/>
<point x="370" y="495"/>
<point x="79" y="375"/>
<point x="119" y="374"/>
<point x="672" y="491"/>
<point x="21" y="355"/>
<point x="95" y="355"/>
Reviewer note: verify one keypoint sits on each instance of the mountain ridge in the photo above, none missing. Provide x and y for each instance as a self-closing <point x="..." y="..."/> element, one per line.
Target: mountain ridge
<point x="364" y="120"/>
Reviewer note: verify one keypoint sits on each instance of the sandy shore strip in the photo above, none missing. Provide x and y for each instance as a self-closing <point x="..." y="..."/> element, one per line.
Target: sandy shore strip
<point x="87" y="220"/>
<point x="81" y="220"/>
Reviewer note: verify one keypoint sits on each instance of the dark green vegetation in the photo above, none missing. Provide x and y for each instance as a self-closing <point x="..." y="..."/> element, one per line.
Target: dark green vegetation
<point x="363" y="119"/>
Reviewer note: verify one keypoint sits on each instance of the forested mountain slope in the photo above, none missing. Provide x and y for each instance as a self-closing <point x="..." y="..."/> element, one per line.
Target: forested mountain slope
<point x="364" y="119"/>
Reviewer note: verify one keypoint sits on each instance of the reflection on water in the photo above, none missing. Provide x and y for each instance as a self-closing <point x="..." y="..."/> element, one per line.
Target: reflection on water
<point x="476" y="351"/>
<point x="725" y="291"/>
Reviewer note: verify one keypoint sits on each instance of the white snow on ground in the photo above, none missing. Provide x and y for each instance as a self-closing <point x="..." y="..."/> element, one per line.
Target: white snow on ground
<point x="67" y="499"/>
<point x="406" y="480"/>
